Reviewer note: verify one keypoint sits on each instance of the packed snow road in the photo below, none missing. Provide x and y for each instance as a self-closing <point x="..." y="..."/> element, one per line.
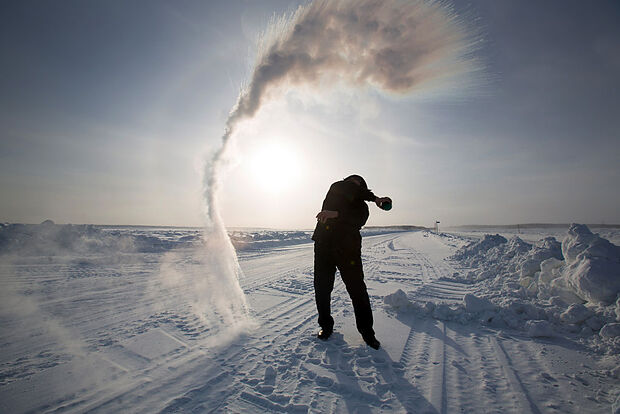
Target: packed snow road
<point x="132" y="351"/>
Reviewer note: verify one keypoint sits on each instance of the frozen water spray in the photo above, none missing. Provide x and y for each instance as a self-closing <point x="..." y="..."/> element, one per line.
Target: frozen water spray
<point x="396" y="47"/>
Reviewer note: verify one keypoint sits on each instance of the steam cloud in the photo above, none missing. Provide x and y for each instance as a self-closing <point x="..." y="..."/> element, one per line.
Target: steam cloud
<point x="397" y="47"/>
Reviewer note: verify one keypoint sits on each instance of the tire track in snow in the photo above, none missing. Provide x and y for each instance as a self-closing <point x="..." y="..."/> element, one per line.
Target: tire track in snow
<point x="138" y="382"/>
<point x="240" y="379"/>
<point x="300" y="311"/>
<point x="523" y="400"/>
<point x="438" y="377"/>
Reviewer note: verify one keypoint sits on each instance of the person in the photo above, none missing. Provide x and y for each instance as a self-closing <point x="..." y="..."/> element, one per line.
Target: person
<point x="337" y="245"/>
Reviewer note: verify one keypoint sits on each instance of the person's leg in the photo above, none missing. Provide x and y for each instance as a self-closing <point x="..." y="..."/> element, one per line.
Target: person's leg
<point x="324" y="274"/>
<point x="350" y="266"/>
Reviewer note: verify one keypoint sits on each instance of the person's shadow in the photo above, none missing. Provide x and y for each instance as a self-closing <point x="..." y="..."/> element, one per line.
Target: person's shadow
<point x="391" y="384"/>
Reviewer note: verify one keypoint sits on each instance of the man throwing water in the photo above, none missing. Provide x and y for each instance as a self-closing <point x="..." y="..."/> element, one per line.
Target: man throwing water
<point x="337" y="245"/>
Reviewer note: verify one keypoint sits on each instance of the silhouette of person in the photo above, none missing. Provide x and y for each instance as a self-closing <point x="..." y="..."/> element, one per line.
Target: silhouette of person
<point x="337" y="245"/>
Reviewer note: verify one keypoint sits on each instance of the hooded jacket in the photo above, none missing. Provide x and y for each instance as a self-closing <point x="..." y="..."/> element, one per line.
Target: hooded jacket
<point x="348" y="199"/>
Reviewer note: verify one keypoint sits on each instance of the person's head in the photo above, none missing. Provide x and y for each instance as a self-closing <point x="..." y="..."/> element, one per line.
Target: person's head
<point x="357" y="179"/>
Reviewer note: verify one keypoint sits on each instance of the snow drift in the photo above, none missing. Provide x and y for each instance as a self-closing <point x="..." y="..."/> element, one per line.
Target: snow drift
<point x="50" y="239"/>
<point x="583" y="268"/>
<point x="545" y="289"/>
<point x="592" y="265"/>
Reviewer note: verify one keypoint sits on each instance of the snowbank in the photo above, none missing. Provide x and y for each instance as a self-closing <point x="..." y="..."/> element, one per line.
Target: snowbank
<point x="264" y="239"/>
<point x="49" y="239"/>
<point x="592" y="265"/>
<point x="545" y="289"/>
<point x="583" y="268"/>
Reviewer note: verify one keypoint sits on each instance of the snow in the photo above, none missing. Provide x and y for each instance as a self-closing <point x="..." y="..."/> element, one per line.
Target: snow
<point x="397" y="300"/>
<point x="474" y="304"/>
<point x="610" y="330"/>
<point x="539" y="329"/>
<point x="592" y="265"/>
<point x="109" y="319"/>
<point x="575" y="314"/>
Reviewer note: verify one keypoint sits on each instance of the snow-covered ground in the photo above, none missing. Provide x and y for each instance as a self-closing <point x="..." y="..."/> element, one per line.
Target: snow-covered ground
<point x="467" y="323"/>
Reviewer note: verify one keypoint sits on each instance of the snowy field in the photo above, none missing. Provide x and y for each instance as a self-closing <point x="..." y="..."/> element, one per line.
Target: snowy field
<point x="90" y="322"/>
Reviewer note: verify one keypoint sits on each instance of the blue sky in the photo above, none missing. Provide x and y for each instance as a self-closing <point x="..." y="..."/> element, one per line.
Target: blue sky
<point x="108" y="109"/>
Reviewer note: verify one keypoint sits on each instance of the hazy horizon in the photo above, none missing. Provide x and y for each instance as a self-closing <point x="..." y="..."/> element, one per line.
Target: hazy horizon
<point x="430" y="226"/>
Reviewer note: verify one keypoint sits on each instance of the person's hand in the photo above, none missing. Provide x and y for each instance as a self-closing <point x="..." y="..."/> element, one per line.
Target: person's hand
<point x="326" y="214"/>
<point x="380" y="200"/>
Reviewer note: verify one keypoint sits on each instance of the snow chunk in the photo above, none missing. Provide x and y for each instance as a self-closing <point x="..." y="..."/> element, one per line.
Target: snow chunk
<point x="593" y="265"/>
<point x="539" y="329"/>
<point x="397" y="300"/>
<point x="474" y="304"/>
<point x="546" y="248"/>
<point x="595" y="323"/>
<point x="561" y="288"/>
<point x="575" y="314"/>
<point x="610" y="330"/>
<point x="550" y="269"/>
<point x="526" y="310"/>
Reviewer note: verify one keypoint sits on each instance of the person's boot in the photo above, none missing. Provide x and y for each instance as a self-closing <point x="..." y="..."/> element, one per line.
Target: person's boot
<point x="324" y="334"/>
<point x="371" y="341"/>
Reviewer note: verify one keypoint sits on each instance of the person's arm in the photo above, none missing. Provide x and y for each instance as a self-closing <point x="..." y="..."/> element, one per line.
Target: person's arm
<point x="368" y="195"/>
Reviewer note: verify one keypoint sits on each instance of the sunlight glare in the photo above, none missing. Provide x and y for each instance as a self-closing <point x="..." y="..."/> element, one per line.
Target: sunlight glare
<point x="275" y="168"/>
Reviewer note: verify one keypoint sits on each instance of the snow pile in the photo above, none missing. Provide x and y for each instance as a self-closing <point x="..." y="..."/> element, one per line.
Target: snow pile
<point x="397" y="300"/>
<point x="545" y="289"/>
<point x="592" y="265"/>
<point x="474" y="304"/>
<point x="495" y="255"/>
<point x="401" y="303"/>
<point x="263" y="239"/>
<point x="49" y="239"/>
<point x="584" y="268"/>
<point x="477" y="251"/>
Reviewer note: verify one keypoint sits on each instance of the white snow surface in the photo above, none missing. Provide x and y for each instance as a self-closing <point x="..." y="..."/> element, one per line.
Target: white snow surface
<point x="104" y="319"/>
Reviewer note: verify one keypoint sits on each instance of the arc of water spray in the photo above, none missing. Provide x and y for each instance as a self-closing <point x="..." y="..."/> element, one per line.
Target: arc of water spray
<point x="397" y="47"/>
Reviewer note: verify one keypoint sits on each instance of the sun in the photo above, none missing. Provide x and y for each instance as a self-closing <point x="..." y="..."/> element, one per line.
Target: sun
<point x="275" y="167"/>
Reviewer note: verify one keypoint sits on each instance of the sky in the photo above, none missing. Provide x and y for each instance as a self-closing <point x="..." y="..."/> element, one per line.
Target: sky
<point x="108" y="111"/>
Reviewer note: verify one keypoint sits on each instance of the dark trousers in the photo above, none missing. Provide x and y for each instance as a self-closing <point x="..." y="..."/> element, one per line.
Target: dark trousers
<point x="346" y="257"/>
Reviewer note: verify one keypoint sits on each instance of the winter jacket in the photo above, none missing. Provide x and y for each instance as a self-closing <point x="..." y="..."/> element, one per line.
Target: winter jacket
<point x="348" y="199"/>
